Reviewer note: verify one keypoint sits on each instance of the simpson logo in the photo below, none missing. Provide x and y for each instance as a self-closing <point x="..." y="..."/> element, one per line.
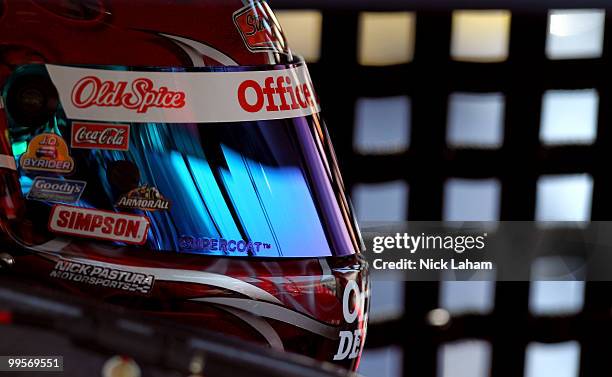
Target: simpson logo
<point x="145" y="198"/>
<point x="259" y="28"/>
<point x="49" y="189"/>
<point x="102" y="225"/>
<point x="114" y="137"/>
<point x="102" y="276"/>
<point x="209" y="97"/>
<point x="138" y="94"/>
<point x="48" y="153"/>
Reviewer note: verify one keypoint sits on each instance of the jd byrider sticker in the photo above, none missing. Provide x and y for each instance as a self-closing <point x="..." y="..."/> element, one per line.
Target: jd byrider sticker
<point x="98" y="224"/>
<point x="47" y="153"/>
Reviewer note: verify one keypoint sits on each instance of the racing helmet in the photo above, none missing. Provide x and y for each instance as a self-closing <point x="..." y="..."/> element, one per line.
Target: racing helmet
<point x="171" y="159"/>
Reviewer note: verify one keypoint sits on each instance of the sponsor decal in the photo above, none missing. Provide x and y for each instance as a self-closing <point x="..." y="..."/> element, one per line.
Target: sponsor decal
<point x="227" y="246"/>
<point x="98" y="224"/>
<point x="351" y="341"/>
<point x="146" y="198"/>
<point x="114" y="137"/>
<point x="49" y="189"/>
<point x="276" y="94"/>
<point x="103" y="276"/>
<point x="259" y="28"/>
<point x="138" y="94"/>
<point x="48" y="153"/>
<point x="210" y="97"/>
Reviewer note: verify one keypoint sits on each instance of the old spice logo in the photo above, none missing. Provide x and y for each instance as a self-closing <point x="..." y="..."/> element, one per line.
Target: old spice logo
<point x="276" y="95"/>
<point x="101" y="136"/>
<point x="139" y="94"/>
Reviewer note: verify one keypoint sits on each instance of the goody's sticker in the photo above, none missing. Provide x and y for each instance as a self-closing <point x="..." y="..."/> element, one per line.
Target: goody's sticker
<point x="48" y="189"/>
<point x="99" y="224"/>
<point x="47" y="153"/>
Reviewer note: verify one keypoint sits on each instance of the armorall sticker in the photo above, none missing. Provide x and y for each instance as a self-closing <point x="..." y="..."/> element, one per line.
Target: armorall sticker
<point x="145" y="198"/>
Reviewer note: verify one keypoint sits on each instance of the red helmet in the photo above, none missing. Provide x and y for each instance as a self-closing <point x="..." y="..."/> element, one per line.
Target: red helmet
<point x="171" y="159"/>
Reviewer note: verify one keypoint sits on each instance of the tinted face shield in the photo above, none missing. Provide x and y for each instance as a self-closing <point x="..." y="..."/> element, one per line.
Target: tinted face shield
<point x="227" y="161"/>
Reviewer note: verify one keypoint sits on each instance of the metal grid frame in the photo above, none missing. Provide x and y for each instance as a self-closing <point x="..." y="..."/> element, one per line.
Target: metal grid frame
<point x="429" y="80"/>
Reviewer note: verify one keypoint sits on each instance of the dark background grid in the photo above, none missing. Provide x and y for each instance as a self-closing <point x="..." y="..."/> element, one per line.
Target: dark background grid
<point x="429" y="79"/>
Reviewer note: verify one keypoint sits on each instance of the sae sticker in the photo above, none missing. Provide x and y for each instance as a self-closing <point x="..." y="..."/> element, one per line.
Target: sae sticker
<point x="49" y="189"/>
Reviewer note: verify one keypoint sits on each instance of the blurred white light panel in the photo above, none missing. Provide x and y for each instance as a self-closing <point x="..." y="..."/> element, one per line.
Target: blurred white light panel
<point x="459" y="297"/>
<point x="569" y="116"/>
<point x="476" y="120"/>
<point x="387" y="299"/>
<point x="381" y="202"/>
<point x="575" y="33"/>
<point x="303" y="31"/>
<point x="382" y="125"/>
<point x="386" y="38"/>
<point x="385" y="362"/>
<point x="552" y="360"/>
<point x="468" y="358"/>
<point x="480" y="35"/>
<point x="556" y="297"/>
<point x="561" y="296"/>
<point x="472" y="200"/>
<point x="564" y="198"/>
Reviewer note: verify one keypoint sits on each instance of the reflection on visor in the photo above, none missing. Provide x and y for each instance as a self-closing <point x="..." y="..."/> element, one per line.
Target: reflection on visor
<point x="185" y="172"/>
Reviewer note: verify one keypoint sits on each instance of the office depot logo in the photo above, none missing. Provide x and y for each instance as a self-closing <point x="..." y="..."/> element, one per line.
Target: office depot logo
<point x="277" y="94"/>
<point x="98" y="224"/>
<point x="139" y="94"/>
<point x="101" y="136"/>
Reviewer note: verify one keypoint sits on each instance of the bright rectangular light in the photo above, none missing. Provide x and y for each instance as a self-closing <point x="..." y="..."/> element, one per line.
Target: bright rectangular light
<point x="480" y="35"/>
<point x="575" y="33"/>
<point x="303" y="31"/>
<point x="386" y="38"/>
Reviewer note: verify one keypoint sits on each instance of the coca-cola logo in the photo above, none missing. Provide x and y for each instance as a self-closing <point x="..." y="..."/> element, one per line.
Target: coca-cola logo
<point x="276" y="95"/>
<point x="101" y="136"/>
<point x="139" y="95"/>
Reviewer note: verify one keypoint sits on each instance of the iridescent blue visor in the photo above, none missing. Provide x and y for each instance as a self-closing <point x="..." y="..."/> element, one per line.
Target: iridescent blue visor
<point x="231" y="161"/>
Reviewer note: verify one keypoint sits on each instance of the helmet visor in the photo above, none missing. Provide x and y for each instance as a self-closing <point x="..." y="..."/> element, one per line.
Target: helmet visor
<point x="231" y="161"/>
